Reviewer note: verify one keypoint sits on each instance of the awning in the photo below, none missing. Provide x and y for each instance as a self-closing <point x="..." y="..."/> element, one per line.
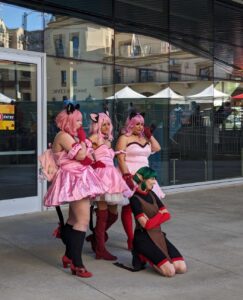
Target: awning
<point x="126" y="93"/>
<point x="240" y="96"/>
<point x="208" y="93"/>
<point x="167" y="93"/>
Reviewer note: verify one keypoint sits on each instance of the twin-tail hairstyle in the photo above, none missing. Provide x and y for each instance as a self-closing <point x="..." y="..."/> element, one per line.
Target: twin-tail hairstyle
<point x="97" y="120"/>
<point x="131" y="121"/>
<point x="67" y="119"/>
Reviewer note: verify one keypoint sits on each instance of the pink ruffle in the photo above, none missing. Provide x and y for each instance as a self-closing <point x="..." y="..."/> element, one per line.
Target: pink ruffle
<point x="69" y="186"/>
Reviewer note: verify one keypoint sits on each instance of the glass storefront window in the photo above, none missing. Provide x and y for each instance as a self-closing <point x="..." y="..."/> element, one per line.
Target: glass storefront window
<point x="18" y="130"/>
<point x="201" y="137"/>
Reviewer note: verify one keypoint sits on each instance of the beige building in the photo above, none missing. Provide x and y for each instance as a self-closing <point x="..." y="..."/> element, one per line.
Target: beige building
<point x="4" y="35"/>
<point x="78" y="41"/>
<point x="143" y="63"/>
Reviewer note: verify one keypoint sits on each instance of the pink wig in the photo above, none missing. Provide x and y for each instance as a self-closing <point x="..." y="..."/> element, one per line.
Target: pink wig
<point x="130" y="124"/>
<point x="95" y="127"/>
<point x="68" y="122"/>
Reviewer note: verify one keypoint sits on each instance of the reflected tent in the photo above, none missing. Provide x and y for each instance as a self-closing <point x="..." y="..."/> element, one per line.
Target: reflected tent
<point x="126" y="93"/>
<point x="175" y="98"/>
<point x="209" y="95"/>
<point x="5" y="99"/>
<point x="168" y="93"/>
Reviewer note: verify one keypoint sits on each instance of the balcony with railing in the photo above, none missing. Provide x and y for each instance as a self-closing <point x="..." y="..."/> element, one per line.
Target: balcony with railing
<point x="141" y="76"/>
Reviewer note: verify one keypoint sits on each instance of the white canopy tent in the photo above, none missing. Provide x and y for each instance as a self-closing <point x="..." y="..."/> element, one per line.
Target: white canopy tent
<point x="209" y="95"/>
<point x="168" y="93"/>
<point x="5" y="99"/>
<point x="126" y="93"/>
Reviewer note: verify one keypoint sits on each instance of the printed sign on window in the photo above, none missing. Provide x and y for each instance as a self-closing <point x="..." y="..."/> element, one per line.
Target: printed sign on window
<point x="7" y="118"/>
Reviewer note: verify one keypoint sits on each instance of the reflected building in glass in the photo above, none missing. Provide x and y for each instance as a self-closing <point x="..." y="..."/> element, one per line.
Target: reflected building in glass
<point x="90" y="52"/>
<point x="70" y="44"/>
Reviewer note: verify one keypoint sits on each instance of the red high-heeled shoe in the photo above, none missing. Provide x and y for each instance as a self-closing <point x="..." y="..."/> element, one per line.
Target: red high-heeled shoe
<point x="57" y="232"/>
<point x="66" y="262"/>
<point x="80" y="271"/>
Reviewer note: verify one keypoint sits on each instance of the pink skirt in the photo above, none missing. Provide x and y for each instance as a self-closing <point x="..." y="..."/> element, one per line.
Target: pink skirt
<point x="117" y="187"/>
<point x="68" y="186"/>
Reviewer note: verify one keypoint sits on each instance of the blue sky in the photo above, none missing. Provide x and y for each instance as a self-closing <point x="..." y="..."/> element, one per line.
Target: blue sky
<point x="12" y="17"/>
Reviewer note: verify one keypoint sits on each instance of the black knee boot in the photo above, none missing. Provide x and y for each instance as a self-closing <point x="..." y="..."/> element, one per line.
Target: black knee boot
<point x="77" y="241"/>
<point x="65" y="236"/>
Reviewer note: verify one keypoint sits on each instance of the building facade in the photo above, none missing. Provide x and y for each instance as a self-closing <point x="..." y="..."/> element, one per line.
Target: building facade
<point x="52" y="51"/>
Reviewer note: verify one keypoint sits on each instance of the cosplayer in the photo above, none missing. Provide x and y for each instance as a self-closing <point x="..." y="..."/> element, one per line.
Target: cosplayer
<point x="150" y="243"/>
<point x="75" y="182"/>
<point x="106" y="212"/>
<point x="137" y="144"/>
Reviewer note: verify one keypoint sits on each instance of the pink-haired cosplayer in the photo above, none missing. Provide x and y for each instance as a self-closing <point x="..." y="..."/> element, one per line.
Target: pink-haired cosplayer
<point x="75" y="182"/>
<point x="130" y="123"/>
<point x="101" y="137"/>
<point x="136" y="145"/>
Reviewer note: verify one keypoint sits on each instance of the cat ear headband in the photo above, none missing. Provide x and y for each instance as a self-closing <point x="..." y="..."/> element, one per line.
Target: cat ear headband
<point x="95" y="117"/>
<point x="70" y="105"/>
<point x="134" y="114"/>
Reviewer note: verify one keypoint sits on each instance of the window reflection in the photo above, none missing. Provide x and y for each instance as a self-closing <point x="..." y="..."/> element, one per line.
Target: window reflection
<point x="75" y="45"/>
<point x="89" y="62"/>
<point x="59" y="45"/>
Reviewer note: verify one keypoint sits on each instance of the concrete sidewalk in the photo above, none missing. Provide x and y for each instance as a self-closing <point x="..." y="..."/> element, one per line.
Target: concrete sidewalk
<point x="206" y="226"/>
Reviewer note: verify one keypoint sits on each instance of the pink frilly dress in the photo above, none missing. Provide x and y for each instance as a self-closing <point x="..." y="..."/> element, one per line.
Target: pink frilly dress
<point x="118" y="190"/>
<point x="72" y="181"/>
<point x="137" y="157"/>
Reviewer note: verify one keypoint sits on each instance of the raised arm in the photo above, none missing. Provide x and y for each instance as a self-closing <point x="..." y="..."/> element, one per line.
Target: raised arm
<point x="67" y="142"/>
<point x="155" y="146"/>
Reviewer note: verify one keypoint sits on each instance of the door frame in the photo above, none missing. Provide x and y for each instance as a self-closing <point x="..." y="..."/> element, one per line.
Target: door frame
<point x="30" y="204"/>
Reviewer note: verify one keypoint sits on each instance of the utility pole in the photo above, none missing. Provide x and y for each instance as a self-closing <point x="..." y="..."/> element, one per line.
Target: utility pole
<point x="24" y="25"/>
<point x="24" y="21"/>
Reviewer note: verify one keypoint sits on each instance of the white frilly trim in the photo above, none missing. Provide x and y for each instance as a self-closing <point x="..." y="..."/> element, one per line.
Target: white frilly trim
<point x="113" y="199"/>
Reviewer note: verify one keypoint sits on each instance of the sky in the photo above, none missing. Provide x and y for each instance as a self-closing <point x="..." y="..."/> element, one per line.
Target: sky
<point x="12" y="17"/>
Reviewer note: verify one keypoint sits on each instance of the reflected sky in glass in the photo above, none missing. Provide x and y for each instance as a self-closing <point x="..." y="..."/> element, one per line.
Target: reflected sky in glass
<point x="13" y="17"/>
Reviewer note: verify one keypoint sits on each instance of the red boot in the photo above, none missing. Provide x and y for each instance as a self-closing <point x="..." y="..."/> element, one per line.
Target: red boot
<point x="112" y="218"/>
<point x="91" y="238"/>
<point x="100" y="250"/>
<point x="127" y="223"/>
